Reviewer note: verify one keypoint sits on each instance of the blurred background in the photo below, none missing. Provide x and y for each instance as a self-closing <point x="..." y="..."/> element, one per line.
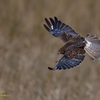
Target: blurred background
<point x="27" y="50"/>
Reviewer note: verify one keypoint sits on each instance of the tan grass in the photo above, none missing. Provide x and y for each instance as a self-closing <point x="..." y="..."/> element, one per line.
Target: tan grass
<point x="27" y="49"/>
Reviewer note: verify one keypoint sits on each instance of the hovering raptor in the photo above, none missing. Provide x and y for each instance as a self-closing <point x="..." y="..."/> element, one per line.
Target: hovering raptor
<point x="75" y="46"/>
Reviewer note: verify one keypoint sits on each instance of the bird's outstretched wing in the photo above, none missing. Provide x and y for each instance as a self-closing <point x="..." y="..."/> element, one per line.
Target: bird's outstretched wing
<point x="70" y="60"/>
<point x="59" y="29"/>
<point x="67" y="63"/>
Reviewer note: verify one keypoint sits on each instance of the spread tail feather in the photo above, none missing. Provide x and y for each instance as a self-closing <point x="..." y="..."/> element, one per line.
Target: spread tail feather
<point x="92" y="46"/>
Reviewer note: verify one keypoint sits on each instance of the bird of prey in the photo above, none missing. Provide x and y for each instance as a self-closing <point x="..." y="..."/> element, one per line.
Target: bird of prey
<point x="75" y="46"/>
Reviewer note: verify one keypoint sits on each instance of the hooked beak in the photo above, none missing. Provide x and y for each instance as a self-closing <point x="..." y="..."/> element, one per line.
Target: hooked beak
<point x="58" y="52"/>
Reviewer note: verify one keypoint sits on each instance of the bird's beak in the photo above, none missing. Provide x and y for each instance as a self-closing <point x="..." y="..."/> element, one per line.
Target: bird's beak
<point x="58" y="52"/>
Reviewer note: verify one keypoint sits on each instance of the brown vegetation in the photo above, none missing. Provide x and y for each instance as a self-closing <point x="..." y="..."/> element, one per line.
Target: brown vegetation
<point x="27" y="49"/>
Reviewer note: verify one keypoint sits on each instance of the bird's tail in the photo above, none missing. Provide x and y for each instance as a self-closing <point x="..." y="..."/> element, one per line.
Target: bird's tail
<point x="92" y="46"/>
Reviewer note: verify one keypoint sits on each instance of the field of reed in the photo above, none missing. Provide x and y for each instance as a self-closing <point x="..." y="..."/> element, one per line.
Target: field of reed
<point x="27" y="50"/>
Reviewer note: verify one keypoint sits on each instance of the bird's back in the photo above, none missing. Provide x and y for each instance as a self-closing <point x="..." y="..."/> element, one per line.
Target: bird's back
<point x="71" y="46"/>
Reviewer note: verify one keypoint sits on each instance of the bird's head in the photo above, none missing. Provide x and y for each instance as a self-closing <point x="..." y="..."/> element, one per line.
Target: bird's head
<point x="61" y="51"/>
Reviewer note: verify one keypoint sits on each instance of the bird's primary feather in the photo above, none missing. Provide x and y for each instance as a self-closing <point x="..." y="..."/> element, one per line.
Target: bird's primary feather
<point x="67" y="63"/>
<point x="59" y="29"/>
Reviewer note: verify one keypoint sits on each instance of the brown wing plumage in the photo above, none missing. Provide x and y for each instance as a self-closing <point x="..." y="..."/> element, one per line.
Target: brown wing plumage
<point x="72" y="44"/>
<point x="73" y="52"/>
<point x="75" y="46"/>
<point x="73" y="59"/>
<point x="59" y="29"/>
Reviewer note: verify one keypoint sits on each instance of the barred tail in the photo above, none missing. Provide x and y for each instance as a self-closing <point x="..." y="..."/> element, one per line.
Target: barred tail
<point x="92" y="46"/>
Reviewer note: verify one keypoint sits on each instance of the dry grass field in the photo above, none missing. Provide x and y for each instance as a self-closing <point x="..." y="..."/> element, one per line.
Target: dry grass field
<point x="27" y="49"/>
